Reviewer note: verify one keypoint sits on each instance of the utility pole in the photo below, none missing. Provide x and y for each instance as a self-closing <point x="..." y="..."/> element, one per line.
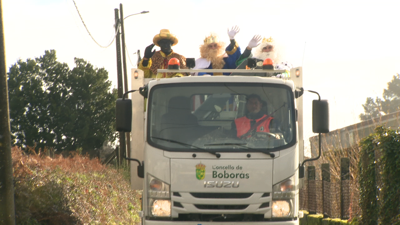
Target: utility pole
<point x="128" y="136"/>
<point x="122" y="145"/>
<point x="7" y="208"/>
<point x="139" y="58"/>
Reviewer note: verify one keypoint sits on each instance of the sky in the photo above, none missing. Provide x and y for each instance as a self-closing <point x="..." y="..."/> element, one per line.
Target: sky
<point x="349" y="50"/>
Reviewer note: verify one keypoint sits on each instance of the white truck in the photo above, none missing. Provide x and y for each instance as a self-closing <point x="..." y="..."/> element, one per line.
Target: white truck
<point x="196" y="169"/>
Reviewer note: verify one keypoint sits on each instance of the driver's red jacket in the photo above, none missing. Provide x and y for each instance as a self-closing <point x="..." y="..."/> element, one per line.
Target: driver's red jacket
<point x="243" y="125"/>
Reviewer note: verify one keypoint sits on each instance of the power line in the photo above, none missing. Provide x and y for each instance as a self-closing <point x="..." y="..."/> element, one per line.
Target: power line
<point x="90" y="33"/>
<point x="116" y="31"/>
<point x="126" y="49"/>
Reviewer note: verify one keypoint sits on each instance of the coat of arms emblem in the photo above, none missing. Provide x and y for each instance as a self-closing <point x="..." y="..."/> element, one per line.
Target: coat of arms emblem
<point x="200" y="171"/>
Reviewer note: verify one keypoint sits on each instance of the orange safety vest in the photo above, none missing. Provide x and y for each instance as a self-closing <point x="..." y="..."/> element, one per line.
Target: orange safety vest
<point x="243" y="125"/>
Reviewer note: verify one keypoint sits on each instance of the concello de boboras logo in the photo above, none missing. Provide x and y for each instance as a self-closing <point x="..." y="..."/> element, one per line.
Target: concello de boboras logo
<point x="200" y="171"/>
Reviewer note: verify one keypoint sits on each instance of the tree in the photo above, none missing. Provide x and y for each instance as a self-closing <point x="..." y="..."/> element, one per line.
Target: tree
<point x="372" y="109"/>
<point x="391" y="95"/>
<point x="389" y="104"/>
<point x="55" y="107"/>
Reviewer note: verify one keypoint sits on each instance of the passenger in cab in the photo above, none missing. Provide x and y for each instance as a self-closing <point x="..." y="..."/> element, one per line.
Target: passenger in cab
<point x="255" y="121"/>
<point x="154" y="60"/>
<point x="178" y="123"/>
<point x="214" y="56"/>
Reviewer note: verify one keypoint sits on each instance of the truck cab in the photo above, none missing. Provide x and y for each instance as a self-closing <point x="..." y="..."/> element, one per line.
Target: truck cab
<point x="198" y="169"/>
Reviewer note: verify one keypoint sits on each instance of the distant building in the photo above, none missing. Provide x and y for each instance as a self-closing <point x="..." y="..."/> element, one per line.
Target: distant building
<point x="350" y="136"/>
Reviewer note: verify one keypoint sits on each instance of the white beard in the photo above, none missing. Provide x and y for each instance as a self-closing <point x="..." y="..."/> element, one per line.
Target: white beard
<point x="265" y="55"/>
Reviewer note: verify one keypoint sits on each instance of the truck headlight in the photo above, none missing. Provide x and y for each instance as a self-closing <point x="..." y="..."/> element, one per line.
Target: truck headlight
<point x="283" y="197"/>
<point x="286" y="185"/>
<point x="160" y="208"/>
<point x="157" y="188"/>
<point x="159" y="197"/>
<point x="281" y="208"/>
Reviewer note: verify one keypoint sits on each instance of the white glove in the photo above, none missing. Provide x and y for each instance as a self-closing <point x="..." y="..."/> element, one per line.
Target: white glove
<point x="232" y="33"/>
<point x="255" y="41"/>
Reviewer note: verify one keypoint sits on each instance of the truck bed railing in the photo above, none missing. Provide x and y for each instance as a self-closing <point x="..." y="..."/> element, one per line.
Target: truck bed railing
<point x="219" y="71"/>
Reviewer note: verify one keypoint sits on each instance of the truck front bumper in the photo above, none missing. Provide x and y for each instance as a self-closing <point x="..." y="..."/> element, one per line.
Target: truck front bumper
<point x="152" y="222"/>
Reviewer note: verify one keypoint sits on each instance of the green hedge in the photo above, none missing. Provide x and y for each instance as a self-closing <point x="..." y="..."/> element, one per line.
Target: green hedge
<point x="303" y="221"/>
<point x="368" y="191"/>
<point x="315" y="219"/>
<point x="318" y="219"/>
<point x="327" y="221"/>
<point x="380" y="155"/>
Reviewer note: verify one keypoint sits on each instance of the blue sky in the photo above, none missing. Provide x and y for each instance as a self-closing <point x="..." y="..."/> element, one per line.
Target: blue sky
<point x="349" y="50"/>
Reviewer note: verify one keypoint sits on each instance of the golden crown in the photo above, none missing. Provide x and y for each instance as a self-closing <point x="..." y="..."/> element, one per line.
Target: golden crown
<point x="211" y="39"/>
<point x="200" y="166"/>
<point x="267" y="40"/>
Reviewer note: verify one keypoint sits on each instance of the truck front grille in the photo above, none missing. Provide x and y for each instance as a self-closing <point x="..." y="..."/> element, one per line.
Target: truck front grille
<point x="221" y="207"/>
<point x="222" y="195"/>
<point x="202" y="203"/>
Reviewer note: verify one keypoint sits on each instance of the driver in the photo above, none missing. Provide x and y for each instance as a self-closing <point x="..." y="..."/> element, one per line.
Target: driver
<point x="255" y="120"/>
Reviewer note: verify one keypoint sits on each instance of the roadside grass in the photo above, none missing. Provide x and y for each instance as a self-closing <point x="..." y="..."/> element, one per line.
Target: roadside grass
<point x="71" y="190"/>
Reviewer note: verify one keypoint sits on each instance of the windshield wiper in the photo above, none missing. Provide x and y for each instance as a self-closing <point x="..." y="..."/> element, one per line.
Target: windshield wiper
<point x="241" y="144"/>
<point x="269" y="153"/>
<point x="188" y="145"/>
<point x="225" y="143"/>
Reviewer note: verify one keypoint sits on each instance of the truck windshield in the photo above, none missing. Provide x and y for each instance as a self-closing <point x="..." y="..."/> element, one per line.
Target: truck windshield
<point x="221" y="116"/>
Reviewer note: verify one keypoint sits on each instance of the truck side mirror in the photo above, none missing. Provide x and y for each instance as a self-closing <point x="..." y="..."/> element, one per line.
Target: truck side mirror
<point x="320" y="116"/>
<point x="124" y="115"/>
<point x="144" y="91"/>
<point x="140" y="170"/>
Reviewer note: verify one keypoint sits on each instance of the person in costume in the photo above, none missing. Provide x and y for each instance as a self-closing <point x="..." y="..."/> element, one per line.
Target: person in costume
<point x="153" y="60"/>
<point x="214" y="56"/>
<point x="267" y="49"/>
<point x="254" y="42"/>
